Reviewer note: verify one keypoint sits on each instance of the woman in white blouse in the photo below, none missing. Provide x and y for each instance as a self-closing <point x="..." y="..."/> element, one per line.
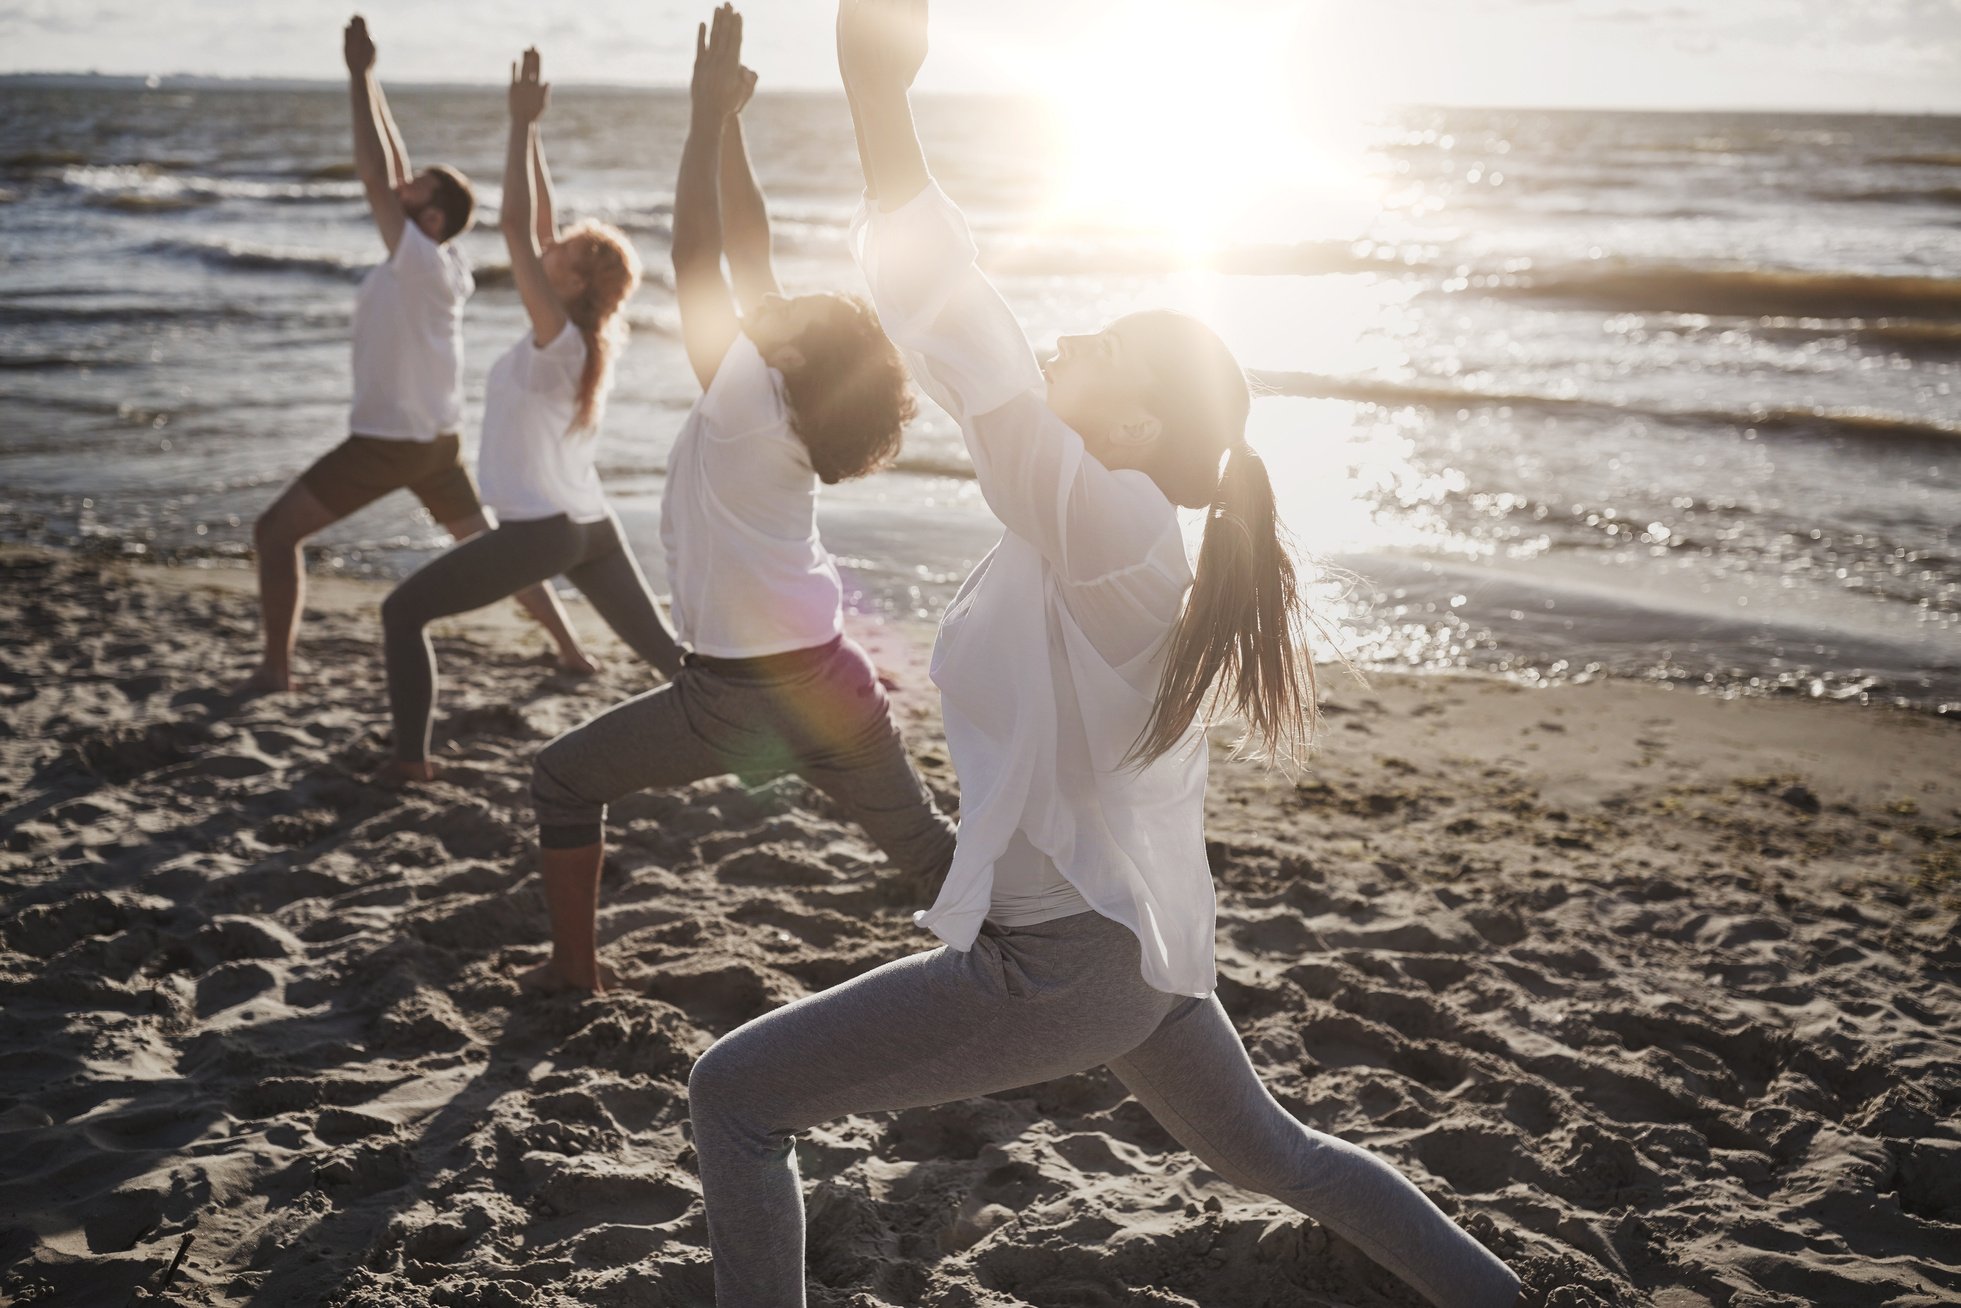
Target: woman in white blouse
<point x="1076" y="668"/>
<point x="536" y="465"/>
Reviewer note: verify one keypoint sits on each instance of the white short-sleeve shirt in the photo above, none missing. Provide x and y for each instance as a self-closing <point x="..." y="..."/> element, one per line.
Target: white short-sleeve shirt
<point x="738" y="519"/>
<point x="532" y="464"/>
<point x="408" y="341"/>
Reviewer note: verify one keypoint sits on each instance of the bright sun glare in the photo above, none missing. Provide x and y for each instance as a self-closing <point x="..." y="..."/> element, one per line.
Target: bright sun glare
<point x="1184" y="120"/>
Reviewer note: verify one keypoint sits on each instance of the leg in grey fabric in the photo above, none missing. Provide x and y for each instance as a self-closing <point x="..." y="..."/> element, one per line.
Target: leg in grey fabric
<point x="1020" y="1007"/>
<point x="1194" y="1077"/>
<point x="647" y="741"/>
<point x="473" y="575"/>
<point x="611" y="580"/>
<point x="849" y="748"/>
<point x="644" y="743"/>
<point x="878" y="789"/>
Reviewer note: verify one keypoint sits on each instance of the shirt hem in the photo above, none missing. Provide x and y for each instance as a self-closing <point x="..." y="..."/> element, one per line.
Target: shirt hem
<point x="582" y="519"/>
<point x="431" y="439"/>
<point x="788" y="646"/>
<point x="1036" y="917"/>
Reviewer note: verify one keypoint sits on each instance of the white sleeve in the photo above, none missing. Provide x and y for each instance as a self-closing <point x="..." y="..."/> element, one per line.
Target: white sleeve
<point x="937" y="306"/>
<point x="969" y="355"/>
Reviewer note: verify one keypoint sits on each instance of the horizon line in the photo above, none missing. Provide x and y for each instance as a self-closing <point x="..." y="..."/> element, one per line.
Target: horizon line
<point x="221" y="81"/>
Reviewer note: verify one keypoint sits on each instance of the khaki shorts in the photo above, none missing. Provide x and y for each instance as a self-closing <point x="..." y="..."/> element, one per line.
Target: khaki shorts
<point x="362" y="469"/>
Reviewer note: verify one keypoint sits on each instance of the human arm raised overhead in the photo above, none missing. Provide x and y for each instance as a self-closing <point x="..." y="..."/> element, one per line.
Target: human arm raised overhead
<point x="525" y="236"/>
<point x="544" y="201"/>
<point x="378" y="160"/>
<point x="745" y="214"/>
<point x="881" y="47"/>
<point x="709" y="324"/>
<point x="959" y="337"/>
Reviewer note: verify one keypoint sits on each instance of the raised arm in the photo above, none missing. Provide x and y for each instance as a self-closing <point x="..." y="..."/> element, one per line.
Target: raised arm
<point x="391" y="137"/>
<point x="528" y="97"/>
<point x="881" y="45"/>
<point x="745" y="216"/>
<point x="959" y="337"/>
<point x="371" y="160"/>
<point x="708" y="319"/>
<point x="966" y="351"/>
<point x="546" y="222"/>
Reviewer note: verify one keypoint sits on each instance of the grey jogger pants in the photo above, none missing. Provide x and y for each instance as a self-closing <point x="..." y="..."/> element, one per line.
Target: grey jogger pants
<point x="494" y="565"/>
<point x="819" y="713"/>
<point x="1024" y="1005"/>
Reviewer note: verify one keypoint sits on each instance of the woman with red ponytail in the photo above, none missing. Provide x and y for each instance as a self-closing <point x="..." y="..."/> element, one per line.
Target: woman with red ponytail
<point x="1077" y="666"/>
<point x="543" y="401"/>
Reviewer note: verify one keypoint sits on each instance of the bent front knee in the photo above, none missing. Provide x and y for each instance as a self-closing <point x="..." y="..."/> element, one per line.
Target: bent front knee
<point x="550" y="793"/>
<point x="721" y="1082"/>
<point x="271" y="533"/>
<point x="567" y="817"/>
<point x="398" y="615"/>
<point x="705" y="1077"/>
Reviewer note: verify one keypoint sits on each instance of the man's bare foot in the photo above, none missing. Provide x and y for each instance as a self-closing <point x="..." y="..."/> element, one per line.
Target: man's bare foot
<point x="407" y="772"/>
<point x="267" y="680"/>
<point x="578" y="663"/>
<point x="547" y="978"/>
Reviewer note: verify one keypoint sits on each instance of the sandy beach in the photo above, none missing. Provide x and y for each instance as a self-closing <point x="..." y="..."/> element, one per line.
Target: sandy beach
<point x="1658" y="989"/>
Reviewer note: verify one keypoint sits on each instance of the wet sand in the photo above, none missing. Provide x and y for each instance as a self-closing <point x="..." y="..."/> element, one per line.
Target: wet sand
<point x="1658" y="991"/>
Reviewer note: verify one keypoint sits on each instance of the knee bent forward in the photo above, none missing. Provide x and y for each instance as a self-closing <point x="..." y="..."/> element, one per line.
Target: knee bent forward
<point x="398" y="615"/>
<point x="713" y="1078"/>
<point x="557" y="804"/>
<point x="269" y="534"/>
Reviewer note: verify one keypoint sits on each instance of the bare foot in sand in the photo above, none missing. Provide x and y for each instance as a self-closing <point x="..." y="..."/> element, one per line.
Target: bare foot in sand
<point x="404" y="772"/>
<point x="579" y="663"/>
<point x="548" y="979"/>
<point x="267" y="681"/>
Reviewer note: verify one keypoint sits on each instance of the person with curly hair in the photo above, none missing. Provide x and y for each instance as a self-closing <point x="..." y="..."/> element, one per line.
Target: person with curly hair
<point x="542" y="406"/>
<point x="796" y="391"/>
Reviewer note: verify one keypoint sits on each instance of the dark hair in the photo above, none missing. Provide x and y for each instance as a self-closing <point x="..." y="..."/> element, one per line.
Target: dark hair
<point x="453" y="198"/>
<point x="849" y="401"/>
<point x="1237" y="646"/>
<point x="612" y="271"/>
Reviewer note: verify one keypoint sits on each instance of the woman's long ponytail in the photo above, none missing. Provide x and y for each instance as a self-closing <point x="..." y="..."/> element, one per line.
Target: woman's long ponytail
<point x="612" y="271"/>
<point x="1238" y="645"/>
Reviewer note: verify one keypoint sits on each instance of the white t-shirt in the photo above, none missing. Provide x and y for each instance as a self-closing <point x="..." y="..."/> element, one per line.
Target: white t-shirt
<point x="738" y="520"/>
<point x="408" y="341"/>
<point x="532" y="464"/>
<point x="1048" y="657"/>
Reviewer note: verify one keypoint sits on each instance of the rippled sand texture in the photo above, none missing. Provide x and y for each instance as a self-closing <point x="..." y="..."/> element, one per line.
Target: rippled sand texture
<point x="1656" y="989"/>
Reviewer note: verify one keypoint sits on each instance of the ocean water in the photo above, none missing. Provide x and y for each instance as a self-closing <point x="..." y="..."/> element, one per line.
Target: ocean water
<point x="1554" y="393"/>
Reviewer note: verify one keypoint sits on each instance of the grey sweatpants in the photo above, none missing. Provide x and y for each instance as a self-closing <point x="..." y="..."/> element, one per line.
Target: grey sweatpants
<point x="494" y="565"/>
<point x="1027" y="1004"/>
<point x="819" y="713"/>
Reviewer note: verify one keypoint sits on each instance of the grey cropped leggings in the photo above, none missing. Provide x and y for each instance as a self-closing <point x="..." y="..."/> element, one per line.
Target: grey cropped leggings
<point x="494" y="565"/>
<point x="1024" y="1005"/>
<point x="819" y="713"/>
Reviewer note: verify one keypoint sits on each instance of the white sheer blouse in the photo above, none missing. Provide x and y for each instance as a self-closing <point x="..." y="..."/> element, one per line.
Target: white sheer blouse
<point x="1048" y="657"/>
